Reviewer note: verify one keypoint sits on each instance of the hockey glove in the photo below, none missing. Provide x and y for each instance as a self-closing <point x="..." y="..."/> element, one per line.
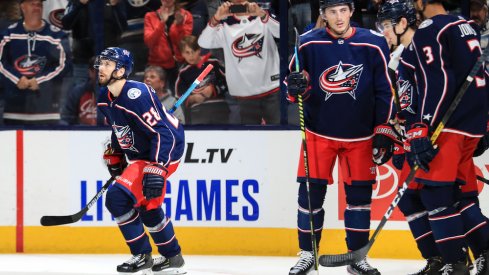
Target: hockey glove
<point x="482" y="146"/>
<point x="383" y="143"/>
<point x="422" y="150"/>
<point x="154" y="178"/>
<point x="398" y="157"/>
<point x="296" y="84"/>
<point x="115" y="161"/>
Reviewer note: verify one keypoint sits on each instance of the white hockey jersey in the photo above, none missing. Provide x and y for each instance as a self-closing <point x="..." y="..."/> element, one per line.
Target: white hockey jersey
<point x="250" y="53"/>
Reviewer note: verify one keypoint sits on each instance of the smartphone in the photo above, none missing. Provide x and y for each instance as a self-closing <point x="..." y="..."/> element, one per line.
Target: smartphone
<point x="238" y="9"/>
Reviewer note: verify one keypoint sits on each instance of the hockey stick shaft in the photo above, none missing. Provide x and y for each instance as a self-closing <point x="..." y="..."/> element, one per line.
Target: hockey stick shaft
<point x="357" y="255"/>
<point x="59" y="220"/>
<point x="306" y="159"/>
<point x="190" y="89"/>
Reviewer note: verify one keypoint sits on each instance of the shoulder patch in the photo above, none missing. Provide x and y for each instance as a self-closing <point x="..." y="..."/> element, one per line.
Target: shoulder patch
<point x="425" y="23"/>
<point x="133" y="93"/>
<point x="376" y="33"/>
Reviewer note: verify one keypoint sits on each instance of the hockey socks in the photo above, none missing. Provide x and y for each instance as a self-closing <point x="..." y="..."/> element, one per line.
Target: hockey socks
<point x="448" y="231"/>
<point x="161" y="230"/>
<point x="475" y="224"/>
<point x="417" y="218"/>
<point x="421" y="230"/>
<point x="357" y="215"/>
<point x="317" y="193"/>
<point x="133" y="231"/>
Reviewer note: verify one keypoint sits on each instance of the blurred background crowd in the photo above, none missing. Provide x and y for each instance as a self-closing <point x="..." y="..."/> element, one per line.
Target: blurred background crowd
<point x="48" y="47"/>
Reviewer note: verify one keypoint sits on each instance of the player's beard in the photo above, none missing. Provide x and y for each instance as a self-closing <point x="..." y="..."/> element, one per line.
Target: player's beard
<point x="106" y="81"/>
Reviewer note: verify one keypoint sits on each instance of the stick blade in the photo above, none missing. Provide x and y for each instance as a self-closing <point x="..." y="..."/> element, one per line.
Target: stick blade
<point x="56" y="220"/>
<point x="346" y="258"/>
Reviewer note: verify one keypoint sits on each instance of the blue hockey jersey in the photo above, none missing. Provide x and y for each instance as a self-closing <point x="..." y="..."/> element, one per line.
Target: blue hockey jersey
<point x="447" y="48"/>
<point x="141" y="127"/>
<point x="350" y="88"/>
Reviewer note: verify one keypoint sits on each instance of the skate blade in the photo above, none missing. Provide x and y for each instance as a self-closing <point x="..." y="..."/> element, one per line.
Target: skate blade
<point x="147" y="271"/>
<point x="171" y="271"/>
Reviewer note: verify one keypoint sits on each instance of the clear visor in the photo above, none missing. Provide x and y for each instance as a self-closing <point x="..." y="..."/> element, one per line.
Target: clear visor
<point x="384" y="26"/>
<point x="101" y="61"/>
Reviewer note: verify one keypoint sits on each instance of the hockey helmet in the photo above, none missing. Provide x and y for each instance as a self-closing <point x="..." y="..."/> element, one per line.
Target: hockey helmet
<point x="394" y="10"/>
<point x="121" y="57"/>
<point x="323" y="4"/>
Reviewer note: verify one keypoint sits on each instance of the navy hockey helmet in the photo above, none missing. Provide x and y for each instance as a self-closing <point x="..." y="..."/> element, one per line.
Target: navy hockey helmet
<point x="394" y="10"/>
<point x="323" y="4"/>
<point x="121" y="57"/>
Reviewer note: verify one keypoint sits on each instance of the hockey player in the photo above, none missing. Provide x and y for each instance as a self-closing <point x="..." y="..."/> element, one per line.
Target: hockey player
<point x="351" y="84"/>
<point x="435" y="57"/>
<point x="396" y="19"/>
<point x="152" y="141"/>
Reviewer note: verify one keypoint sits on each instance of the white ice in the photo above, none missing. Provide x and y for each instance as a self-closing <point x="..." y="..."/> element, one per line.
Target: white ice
<point x="23" y="264"/>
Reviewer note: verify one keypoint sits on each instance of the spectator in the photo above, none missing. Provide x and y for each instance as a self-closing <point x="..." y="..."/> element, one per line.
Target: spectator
<point x="155" y="77"/>
<point x="163" y="30"/>
<point x="80" y="106"/>
<point x="9" y="13"/>
<point x="132" y="38"/>
<point x="250" y="56"/>
<point x="85" y="20"/>
<point x="479" y="13"/>
<point x="34" y="57"/>
<point x="206" y="104"/>
<point x="200" y="15"/>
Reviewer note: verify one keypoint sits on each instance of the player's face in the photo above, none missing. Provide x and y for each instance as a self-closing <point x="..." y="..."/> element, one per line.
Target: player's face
<point x="386" y="27"/>
<point x="105" y="69"/>
<point x="152" y="79"/>
<point x="192" y="57"/>
<point x="338" y="18"/>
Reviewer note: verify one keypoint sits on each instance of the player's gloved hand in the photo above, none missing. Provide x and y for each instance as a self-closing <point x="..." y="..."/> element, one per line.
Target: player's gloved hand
<point x="399" y="156"/>
<point x="296" y="84"/>
<point x="115" y="161"/>
<point x="383" y="143"/>
<point x="154" y="178"/>
<point x="482" y="146"/>
<point x="422" y="150"/>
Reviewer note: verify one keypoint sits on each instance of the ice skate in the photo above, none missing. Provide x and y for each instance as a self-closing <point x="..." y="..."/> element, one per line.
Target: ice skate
<point x="432" y="267"/>
<point x="304" y="265"/>
<point x="362" y="268"/>
<point x="139" y="262"/>
<point x="481" y="264"/>
<point x="173" y="265"/>
<point x="455" y="269"/>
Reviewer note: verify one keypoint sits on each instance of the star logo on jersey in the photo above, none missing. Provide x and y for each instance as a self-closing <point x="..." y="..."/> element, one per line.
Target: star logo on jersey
<point x="340" y="79"/>
<point x="125" y="137"/>
<point x="30" y="66"/>
<point x="427" y="117"/>
<point x="406" y="96"/>
<point x="248" y="45"/>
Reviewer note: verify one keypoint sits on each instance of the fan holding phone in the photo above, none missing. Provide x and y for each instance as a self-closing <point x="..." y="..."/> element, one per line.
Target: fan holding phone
<point x="239" y="7"/>
<point x="246" y="33"/>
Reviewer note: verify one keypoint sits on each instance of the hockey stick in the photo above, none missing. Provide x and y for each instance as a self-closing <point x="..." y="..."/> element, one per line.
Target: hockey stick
<point x="357" y="255"/>
<point x="59" y="220"/>
<point x="196" y="82"/>
<point x="306" y="159"/>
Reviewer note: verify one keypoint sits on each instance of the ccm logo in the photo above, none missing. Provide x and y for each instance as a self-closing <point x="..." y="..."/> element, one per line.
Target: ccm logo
<point x="416" y="134"/>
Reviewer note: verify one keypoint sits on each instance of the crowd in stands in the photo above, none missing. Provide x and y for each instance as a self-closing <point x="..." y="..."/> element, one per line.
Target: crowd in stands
<point x="48" y="47"/>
